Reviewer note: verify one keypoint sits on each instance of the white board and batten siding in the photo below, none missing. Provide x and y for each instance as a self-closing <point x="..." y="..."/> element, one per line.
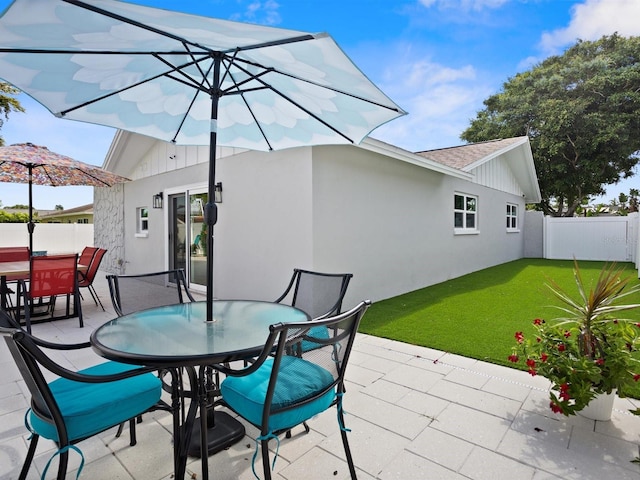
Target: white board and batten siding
<point x="612" y="239"/>
<point x="496" y="174"/>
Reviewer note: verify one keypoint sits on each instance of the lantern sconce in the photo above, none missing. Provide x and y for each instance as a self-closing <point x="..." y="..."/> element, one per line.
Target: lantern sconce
<point x="157" y="200"/>
<point x="217" y="193"/>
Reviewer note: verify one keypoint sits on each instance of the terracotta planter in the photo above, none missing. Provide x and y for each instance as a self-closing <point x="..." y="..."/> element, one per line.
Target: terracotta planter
<point x="600" y="408"/>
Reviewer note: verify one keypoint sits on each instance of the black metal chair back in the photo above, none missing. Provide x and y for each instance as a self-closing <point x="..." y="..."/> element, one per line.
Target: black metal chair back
<point x="318" y="294"/>
<point x="132" y="293"/>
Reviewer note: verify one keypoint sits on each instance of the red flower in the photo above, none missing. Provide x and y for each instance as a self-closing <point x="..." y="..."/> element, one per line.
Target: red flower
<point x="531" y="363"/>
<point x="564" y="387"/>
<point x="538" y="339"/>
<point x="561" y="347"/>
<point x="538" y="321"/>
<point x="565" y="396"/>
<point x="600" y="361"/>
<point x="519" y="337"/>
<point x="555" y="408"/>
<point x="543" y="357"/>
<point x="513" y="358"/>
<point x="567" y="334"/>
<point x="636" y="377"/>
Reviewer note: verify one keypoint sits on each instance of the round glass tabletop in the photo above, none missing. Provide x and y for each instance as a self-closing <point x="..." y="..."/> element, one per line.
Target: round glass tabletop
<point x="179" y="335"/>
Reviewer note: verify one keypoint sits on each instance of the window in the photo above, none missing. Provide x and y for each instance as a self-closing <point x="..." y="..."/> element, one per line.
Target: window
<point x="465" y="213"/>
<point x="512" y="217"/>
<point x="142" y="228"/>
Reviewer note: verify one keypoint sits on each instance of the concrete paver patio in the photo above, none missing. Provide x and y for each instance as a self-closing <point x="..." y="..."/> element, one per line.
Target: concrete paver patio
<point x="414" y="413"/>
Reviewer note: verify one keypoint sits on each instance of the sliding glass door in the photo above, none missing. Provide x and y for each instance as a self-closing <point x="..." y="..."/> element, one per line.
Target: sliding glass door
<point x="187" y="235"/>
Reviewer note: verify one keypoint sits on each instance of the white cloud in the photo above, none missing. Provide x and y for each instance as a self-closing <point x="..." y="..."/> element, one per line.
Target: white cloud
<point x="593" y="19"/>
<point x="464" y="5"/>
<point x="430" y="92"/>
<point x="261" y="12"/>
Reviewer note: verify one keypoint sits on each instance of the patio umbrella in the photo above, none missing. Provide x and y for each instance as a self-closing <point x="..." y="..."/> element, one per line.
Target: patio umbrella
<point x="36" y="165"/>
<point x="188" y="79"/>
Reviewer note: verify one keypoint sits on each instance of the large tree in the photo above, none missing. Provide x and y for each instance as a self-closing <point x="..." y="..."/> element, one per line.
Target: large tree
<point x="581" y="111"/>
<point x="8" y="103"/>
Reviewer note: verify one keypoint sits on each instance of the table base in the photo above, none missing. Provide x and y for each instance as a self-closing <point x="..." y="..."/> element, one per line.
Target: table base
<point x="223" y="431"/>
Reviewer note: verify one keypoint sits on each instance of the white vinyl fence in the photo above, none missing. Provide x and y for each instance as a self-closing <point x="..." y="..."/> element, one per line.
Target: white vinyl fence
<point x="50" y="237"/>
<point x="591" y="238"/>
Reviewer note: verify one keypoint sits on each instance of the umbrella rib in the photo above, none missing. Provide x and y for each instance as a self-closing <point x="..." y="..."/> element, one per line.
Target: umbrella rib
<point x="129" y="87"/>
<point x="190" y="81"/>
<point x="184" y="41"/>
<point x="135" y="23"/>
<point x="242" y="92"/>
<point x="289" y="99"/>
<point x="311" y="82"/>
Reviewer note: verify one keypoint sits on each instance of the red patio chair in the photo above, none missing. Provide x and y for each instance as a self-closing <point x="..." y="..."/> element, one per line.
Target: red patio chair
<point x="11" y="254"/>
<point x="87" y="255"/>
<point x="50" y="276"/>
<point x="85" y="279"/>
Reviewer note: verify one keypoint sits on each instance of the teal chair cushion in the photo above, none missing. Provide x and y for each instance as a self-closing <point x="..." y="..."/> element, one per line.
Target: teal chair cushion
<point x="316" y="332"/>
<point x="297" y="379"/>
<point x="89" y="408"/>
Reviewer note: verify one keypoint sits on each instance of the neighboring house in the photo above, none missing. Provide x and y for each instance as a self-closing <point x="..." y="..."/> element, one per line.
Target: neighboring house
<point x="397" y="220"/>
<point x="81" y="214"/>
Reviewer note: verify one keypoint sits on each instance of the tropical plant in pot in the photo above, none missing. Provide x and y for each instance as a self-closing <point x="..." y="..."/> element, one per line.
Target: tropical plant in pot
<point x="591" y="349"/>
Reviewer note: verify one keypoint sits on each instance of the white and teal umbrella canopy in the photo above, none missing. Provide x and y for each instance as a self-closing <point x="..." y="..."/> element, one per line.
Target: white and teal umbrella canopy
<point x="188" y="79"/>
<point x="151" y="71"/>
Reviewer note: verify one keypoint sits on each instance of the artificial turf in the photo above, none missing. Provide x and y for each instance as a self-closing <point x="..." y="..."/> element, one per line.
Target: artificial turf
<point x="477" y="315"/>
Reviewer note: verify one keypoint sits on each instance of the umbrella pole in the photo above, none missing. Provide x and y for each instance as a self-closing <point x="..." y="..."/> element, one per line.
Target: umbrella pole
<point x="30" y="226"/>
<point x="211" y="209"/>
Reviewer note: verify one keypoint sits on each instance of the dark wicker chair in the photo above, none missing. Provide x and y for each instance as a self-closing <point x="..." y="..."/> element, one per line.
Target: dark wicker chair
<point x="278" y="390"/>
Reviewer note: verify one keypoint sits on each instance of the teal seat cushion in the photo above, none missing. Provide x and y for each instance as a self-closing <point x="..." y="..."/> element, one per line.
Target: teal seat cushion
<point x="89" y="408"/>
<point x="297" y="379"/>
<point x="321" y="333"/>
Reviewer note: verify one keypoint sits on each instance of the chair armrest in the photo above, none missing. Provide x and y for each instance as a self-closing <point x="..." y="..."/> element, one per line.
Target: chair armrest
<point x="28" y="342"/>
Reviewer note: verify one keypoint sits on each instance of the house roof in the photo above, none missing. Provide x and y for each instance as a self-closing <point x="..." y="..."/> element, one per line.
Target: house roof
<point x="464" y="156"/>
<point x="83" y="209"/>
<point x="458" y="162"/>
<point x="516" y="152"/>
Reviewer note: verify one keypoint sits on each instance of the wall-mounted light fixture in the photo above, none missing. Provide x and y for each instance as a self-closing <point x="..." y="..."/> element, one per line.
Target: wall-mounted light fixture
<point x="157" y="200"/>
<point x="217" y="193"/>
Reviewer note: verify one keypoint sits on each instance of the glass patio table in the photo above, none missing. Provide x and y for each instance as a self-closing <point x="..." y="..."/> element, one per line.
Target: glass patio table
<point x="176" y="336"/>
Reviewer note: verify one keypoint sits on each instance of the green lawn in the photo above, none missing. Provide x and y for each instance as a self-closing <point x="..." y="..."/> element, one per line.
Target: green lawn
<point x="477" y="315"/>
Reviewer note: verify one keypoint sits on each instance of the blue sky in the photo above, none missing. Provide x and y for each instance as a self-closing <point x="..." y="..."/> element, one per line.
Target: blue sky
<point x="438" y="59"/>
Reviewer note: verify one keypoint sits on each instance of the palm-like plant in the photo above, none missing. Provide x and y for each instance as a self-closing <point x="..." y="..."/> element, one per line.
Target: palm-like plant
<point x="590" y="350"/>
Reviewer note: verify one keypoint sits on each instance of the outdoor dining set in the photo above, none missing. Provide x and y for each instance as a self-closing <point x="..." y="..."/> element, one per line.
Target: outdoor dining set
<point x="273" y="364"/>
<point x="187" y="80"/>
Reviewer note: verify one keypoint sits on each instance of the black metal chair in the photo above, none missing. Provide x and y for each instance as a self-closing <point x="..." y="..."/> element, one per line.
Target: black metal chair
<point x="132" y="293"/>
<point x="318" y="294"/>
<point x="278" y="390"/>
<point x="77" y="405"/>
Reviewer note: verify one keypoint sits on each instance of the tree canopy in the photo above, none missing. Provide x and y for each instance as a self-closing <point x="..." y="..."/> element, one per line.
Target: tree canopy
<point x="581" y="111"/>
<point x="8" y="103"/>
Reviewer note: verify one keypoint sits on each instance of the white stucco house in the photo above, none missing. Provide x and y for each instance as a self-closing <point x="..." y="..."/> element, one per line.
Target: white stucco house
<point x="397" y="220"/>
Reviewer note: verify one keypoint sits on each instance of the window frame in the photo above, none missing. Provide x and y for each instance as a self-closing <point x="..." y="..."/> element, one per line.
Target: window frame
<point x="513" y="225"/>
<point x="465" y="213"/>
<point x="142" y="221"/>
